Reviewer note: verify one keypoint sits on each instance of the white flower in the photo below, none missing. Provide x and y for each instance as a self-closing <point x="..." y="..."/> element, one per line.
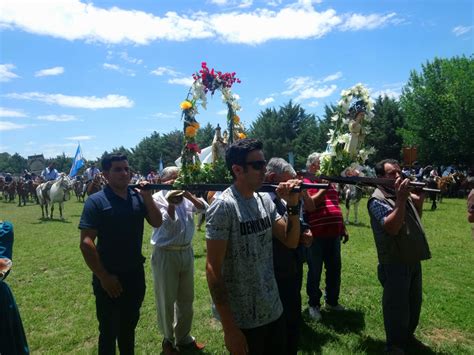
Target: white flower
<point x="335" y="118"/>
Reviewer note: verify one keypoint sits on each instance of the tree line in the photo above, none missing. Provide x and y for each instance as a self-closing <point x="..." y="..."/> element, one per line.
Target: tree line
<point x="435" y="113"/>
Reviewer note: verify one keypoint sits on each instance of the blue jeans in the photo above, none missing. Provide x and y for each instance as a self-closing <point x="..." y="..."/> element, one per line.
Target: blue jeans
<point x="325" y="251"/>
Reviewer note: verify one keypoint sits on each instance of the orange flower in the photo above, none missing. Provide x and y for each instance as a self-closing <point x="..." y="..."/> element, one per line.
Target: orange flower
<point x="190" y="131"/>
<point x="195" y="125"/>
<point x="186" y="105"/>
<point x="241" y="135"/>
<point x="236" y="119"/>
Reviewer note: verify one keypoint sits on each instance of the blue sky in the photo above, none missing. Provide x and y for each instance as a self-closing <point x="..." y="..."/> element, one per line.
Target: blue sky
<point x="109" y="73"/>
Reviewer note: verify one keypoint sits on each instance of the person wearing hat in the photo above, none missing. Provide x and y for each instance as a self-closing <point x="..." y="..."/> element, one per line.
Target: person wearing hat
<point x="12" y="334"/>
<point x="172" y="264"/>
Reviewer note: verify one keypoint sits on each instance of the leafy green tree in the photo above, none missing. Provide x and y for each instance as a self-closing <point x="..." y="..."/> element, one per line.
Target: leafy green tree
<point x="288" y="129"/>
<point x="385" y="135"/>
<point x="438" y="103"/>
<point x="14" y="164"/>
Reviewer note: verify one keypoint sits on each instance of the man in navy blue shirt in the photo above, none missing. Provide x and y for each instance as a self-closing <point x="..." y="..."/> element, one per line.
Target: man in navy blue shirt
<point x="115" y="217"/>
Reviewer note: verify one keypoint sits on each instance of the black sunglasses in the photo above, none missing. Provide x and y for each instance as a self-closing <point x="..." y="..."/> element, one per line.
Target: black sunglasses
<point x="257" y="164"/>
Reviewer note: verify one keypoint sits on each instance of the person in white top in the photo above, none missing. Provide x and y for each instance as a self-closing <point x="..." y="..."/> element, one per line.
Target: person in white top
<point x="91" y="171"/>
<point x="172" y="264"/>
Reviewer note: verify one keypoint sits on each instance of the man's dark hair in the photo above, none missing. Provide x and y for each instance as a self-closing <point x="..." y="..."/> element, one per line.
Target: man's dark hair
<point x="237" y="152"/>
<point x="108" y="159"/>
<point x="380" y="166"/>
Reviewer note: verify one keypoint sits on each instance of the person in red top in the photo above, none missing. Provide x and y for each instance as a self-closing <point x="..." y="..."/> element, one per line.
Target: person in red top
<point x="323" y="214"/>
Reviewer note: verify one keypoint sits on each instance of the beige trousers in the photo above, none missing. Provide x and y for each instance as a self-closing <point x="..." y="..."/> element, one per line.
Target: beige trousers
<point x="173" y="279"/>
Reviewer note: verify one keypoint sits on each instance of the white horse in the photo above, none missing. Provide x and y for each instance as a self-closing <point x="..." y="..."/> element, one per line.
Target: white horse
<point x="59" y="192"/>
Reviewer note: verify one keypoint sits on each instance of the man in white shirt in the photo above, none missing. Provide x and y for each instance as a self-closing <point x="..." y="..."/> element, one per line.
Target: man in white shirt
<point x="91" y="172"/>
<point x="50" y="173"/>
<point x="172" y="264"/>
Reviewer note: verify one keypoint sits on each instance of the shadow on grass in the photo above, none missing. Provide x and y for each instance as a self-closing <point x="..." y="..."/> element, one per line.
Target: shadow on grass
<point x="358" y="225"/>
<point x="312" y="341"/>
<point x="373" y="346"/>
<point x="48" y="220"/>
<point x="348" y="321"/>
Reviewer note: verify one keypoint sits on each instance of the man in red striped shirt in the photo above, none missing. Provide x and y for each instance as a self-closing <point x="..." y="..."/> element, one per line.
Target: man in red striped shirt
<point x="323" y="214"/>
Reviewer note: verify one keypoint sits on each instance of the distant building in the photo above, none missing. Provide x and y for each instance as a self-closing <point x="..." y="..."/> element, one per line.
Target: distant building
<point x="36" y="163"/>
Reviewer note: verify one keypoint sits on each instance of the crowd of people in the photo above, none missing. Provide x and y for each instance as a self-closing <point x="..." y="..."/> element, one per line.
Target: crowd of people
<point x="256" y="245"/>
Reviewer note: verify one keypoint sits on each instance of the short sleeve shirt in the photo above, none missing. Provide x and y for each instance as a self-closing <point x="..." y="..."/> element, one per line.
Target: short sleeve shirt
<point x="119" y="224"/>
<point x="246" y="225"/>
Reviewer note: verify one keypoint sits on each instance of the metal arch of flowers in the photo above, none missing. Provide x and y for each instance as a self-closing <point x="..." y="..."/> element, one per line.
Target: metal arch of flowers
<point x="207" y="81"/>
<point x="337" y="159"/>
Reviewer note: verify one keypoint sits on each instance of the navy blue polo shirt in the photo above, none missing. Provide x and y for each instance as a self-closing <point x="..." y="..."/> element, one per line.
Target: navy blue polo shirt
<point x="119" y="224"/>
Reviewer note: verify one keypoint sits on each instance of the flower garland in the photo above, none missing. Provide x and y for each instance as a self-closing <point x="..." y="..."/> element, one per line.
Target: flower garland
<point x="345" y="153"/>
<point x="206" y="81"/>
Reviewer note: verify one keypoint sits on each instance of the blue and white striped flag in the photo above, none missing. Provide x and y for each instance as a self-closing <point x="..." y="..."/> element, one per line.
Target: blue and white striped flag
<point x="77" y="163"/>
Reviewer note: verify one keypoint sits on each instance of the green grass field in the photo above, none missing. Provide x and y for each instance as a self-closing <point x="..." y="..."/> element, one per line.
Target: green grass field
<point x="52" y="286"/>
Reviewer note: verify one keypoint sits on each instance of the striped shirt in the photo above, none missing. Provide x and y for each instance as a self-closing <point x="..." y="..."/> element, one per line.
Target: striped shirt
<point x="326" y="220"/>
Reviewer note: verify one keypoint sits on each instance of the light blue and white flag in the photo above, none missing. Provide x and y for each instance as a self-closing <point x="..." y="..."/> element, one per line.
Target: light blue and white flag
<point x="77" y="163"/>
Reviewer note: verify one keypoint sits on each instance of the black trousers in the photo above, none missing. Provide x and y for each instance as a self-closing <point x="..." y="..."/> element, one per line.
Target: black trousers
<point x="118" y="317"/>
<point x="401" y="301"/>
<point x="269" y="339"/>
<point x="289" y="289"/>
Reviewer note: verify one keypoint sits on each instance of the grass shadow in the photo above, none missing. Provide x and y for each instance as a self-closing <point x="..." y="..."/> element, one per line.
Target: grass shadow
<point x="372" y="346"/>
<point x="348" y="321"/>
<point x="42" y="220"/>
<point x="311" y="341"/>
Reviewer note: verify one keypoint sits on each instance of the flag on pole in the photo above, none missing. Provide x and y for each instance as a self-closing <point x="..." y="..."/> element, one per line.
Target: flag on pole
<point x="160" y="166"/>
<point x="77" y="163"/>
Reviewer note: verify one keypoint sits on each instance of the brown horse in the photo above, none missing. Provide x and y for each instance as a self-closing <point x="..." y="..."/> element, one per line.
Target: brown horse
<point x="22" y="189"/>
<point x="78" y="187"/>
<point x="9" y="191"/>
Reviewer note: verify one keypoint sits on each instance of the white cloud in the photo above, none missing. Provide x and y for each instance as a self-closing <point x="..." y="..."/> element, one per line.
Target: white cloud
<point x="245" y="3"/>
<point x="8" y="126"/>
<point x="164" y="115"/>
<point x="6" y="73"/>
<point x="127" y="58"/>
<point x="76" y="20"/>
<point x="332" y="77"/>
<point x="164" y="71"/>
<point x="313" y="104"/>
<point x="392" y="91"/>
<point x="316" y="92"/>
<point x="182" y="81"/>
<point x="356" y="22"/>
<point x="5" y="112"/>
<point x="118" y="68"/>
<point x="460" y="30"/>
<point x="80" y="138"/>
<point x="307" y="88"/>
<point x="50" y="72"/>
<point x="222" y="112"/>
<point x="89" y="102"/>
<point x="58" y="118"/>
<point x="266" y="101"/>
<point x="219" y="2"/>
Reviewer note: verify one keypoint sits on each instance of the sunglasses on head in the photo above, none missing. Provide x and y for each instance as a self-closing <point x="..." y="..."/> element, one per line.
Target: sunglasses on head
<point x="257" y="164"/>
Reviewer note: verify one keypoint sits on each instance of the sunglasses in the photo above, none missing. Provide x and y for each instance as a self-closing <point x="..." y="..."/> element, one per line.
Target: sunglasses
<point x="257" y="164"/>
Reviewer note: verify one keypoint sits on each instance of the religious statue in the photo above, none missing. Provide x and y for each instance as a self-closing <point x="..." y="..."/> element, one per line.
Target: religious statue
<point x="356" y="128"/>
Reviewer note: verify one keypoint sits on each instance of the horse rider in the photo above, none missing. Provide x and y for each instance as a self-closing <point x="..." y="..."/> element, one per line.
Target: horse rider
<point x="8" y="178"/>
<point x="27" y="175"/>
<point x="89" y="175"/>
<point x="49" y="174"/>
